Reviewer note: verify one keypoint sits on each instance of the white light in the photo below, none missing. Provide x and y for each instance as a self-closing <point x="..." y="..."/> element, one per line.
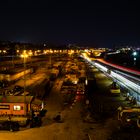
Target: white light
<point x="121" y="79"/>
<point x="125" y="81"/>
<point x="101" y="67"/>
<point x="86" y="82"/>
<point x="134" y="53"/>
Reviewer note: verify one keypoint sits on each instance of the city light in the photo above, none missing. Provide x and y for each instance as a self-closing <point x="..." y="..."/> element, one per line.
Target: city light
<point x="24" y="55"/>
<point x="134" y="53"/>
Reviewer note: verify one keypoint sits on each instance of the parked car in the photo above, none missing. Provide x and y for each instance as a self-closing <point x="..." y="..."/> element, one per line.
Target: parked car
<point x="9" y="125"/>
<point x="80" y="88"/>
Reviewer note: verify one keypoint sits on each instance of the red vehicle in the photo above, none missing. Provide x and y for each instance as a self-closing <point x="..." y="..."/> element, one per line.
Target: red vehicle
<point x="80" y="89"/>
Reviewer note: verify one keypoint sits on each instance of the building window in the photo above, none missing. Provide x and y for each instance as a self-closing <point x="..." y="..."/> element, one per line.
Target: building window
<point x="4" y="107"/>
<point x="17" y="107"/>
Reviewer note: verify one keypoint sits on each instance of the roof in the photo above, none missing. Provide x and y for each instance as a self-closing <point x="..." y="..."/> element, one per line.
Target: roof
<point x="15" y="99"/>
<point x="37" y="102"/>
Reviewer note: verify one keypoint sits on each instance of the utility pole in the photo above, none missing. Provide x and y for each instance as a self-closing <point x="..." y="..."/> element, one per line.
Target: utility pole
<point x="24" y="58"/>
<point x="50" y="59"/>
<point x="13" y="60"/>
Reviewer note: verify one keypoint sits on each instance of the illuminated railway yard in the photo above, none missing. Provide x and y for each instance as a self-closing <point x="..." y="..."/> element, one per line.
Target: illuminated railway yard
<point x="103" y="116"/>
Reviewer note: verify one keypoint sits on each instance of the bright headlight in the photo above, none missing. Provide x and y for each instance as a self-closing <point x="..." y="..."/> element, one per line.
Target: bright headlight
<point x="128" y="120"/>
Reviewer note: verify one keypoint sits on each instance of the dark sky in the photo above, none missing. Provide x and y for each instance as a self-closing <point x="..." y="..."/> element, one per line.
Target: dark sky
<point x="101" y="23"/>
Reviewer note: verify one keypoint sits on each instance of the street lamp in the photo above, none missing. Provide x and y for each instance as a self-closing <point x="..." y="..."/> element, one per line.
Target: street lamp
<point x="24" y="56"/>
<point x="30" y="54"/>
<point x="134" y="57"/>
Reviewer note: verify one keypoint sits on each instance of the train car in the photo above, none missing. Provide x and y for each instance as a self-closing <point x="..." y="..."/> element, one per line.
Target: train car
<point x="11" y="76"/>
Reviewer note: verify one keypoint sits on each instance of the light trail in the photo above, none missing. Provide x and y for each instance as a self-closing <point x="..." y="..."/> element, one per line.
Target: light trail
<point x="132" y="78"/>
<point x="103" y="68"/>
<point x="120" y="67"/>
<point x="125" y="81"/>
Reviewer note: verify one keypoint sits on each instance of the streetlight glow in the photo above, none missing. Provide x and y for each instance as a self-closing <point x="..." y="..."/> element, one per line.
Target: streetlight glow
<point x="134" y="53"/>
<point x="24" y="55"/>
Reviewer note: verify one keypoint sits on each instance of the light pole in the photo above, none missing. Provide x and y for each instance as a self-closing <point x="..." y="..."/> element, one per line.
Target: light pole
<point x="13" y="61"/>
<point x="50" y="58"/>
<point x="30" y="56"/>
<point x="134" y="57"/>
<point x="24" y="56"/>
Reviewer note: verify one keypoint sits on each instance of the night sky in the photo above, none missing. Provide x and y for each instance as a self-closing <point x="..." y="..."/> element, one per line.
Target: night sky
<point x="98" y="23"/>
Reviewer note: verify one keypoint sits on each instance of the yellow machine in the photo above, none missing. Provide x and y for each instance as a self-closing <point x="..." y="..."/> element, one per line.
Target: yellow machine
<point x="129" y="116"/>
<point x="115" y="89"/>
